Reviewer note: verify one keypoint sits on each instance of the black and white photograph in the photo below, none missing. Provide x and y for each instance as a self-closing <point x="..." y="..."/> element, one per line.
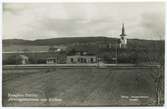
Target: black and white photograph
<point x="109" y="54"/>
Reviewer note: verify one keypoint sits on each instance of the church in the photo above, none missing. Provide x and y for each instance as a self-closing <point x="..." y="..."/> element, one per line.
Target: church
<point x="123" y="40"/>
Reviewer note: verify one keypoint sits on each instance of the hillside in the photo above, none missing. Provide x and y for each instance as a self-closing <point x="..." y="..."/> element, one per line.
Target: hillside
<point x="83" y="41"/>
<point x="80" y="43"/>
<point x="69" y="40"/>
<point x="147" y="51"/>
<point x="56" y="41"/>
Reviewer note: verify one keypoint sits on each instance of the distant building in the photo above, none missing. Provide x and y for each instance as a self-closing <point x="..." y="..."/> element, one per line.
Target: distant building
<point x="52" y="49"/>
<point x="51" y="60"/>
<point x="81" y="57"/>
<point x="123" y="40"/>
<point x="56" y="58"/>
<point x="24" y="59"/>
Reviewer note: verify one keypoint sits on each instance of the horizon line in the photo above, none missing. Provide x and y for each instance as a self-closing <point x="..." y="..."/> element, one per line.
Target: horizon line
<point x="79" y="37"/>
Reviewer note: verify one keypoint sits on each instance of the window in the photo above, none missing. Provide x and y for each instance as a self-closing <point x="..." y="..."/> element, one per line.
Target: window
<point x="84" y="60"/>
<point x="78" y="59"/>
<point x="81" y="60"/>
<point x="72" y="60"/>
<point x="91" y="60"/>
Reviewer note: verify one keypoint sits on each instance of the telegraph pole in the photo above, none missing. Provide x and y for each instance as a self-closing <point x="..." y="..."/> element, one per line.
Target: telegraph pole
<point x="116" y="54"/>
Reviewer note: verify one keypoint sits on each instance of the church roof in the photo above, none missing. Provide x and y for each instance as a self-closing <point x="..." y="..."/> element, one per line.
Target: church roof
<point x="123" y="31"/>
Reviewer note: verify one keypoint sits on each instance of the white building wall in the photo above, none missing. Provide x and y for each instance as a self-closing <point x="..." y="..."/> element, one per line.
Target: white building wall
<point x="123" y="43"/>
<point x="76" y="57"/>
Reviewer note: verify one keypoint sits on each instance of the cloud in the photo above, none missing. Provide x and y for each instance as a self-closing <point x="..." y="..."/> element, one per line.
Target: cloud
<point x="155" y="23"/>
<point x="34" y="21"/>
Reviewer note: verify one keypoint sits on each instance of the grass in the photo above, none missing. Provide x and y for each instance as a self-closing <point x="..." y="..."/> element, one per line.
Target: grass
<point x="15" y="48"/>
<point x="82" y="87"/>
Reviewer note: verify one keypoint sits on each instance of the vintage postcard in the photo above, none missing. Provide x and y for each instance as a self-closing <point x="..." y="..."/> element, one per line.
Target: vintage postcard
<point x="83" y="54"/>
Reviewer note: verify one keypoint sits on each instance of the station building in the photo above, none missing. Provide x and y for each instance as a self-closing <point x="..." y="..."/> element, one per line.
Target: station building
<point x="81" y="57"/>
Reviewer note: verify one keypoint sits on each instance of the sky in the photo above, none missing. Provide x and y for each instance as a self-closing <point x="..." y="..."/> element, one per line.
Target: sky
<point x="31" y="21"/>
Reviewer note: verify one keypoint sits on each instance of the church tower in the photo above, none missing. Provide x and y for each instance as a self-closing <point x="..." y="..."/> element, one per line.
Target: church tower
<point x="123" y="40"/>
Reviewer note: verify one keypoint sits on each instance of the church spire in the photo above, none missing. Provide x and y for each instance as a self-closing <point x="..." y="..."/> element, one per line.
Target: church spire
<point x="123" y="40"/>
<point x="123" y="30"/>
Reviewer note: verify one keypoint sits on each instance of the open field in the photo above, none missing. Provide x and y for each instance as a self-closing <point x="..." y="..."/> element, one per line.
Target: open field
<point x="36" y="48"/>
<point x="97" y="65"/>
<point x="80" y="86"/>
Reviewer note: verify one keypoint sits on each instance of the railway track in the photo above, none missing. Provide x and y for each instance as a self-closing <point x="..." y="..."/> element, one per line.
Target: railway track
<point x="70" y="66"/>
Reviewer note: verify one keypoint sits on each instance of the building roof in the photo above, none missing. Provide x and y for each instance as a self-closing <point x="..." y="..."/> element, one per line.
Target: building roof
<point x="123" y="31"/>
<point x="81" y="53"/>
